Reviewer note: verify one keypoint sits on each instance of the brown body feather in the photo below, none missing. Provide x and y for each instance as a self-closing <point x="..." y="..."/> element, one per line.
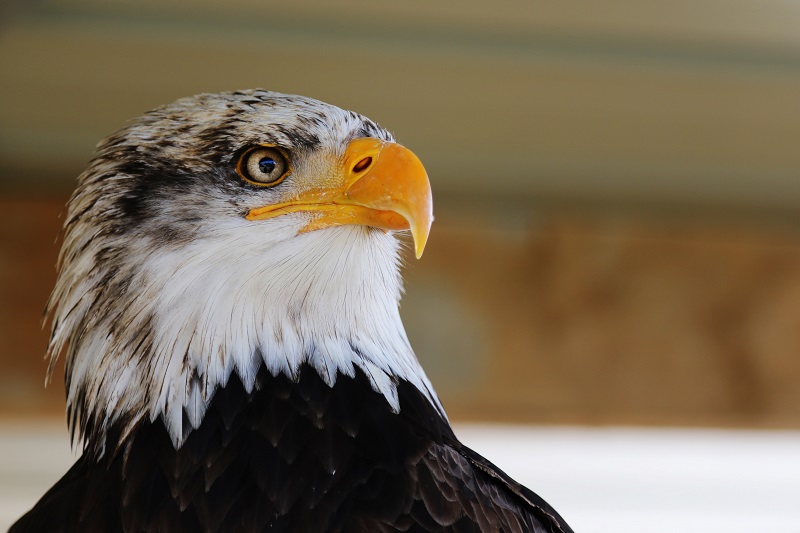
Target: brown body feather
<point x="294" y="456"/>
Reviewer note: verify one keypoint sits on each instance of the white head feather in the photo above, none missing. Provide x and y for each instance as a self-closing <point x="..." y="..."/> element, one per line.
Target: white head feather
<point x="165" y="290"/>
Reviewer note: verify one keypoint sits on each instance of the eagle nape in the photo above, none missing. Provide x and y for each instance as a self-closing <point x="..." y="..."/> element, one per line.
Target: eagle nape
<point x="227" y="307"/>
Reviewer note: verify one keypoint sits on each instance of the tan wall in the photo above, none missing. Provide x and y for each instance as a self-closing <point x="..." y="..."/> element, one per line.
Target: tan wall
<point x="598" y="318"/>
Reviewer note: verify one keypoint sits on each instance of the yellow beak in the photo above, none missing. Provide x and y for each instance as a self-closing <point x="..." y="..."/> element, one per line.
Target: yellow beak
<point x="382" y="185"/>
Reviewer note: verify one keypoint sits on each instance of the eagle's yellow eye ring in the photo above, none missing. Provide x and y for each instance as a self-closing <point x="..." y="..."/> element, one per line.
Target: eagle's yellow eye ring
<point x="264" y="165"/>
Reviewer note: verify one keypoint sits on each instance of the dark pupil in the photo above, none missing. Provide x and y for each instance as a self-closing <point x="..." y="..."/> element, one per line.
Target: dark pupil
<point x="267" y="165"/>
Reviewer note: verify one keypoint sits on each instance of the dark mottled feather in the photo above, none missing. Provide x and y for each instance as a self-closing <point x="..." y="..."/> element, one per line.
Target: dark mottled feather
<point x="294" y="456"/>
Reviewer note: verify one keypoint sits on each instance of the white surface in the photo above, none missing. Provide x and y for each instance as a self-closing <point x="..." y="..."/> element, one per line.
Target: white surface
<point x="600" y="480"/>
<point x="654" y="480"/>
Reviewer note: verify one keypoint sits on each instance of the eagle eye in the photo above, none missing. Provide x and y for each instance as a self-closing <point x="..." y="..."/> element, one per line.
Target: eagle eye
<point x="263" y="165"/>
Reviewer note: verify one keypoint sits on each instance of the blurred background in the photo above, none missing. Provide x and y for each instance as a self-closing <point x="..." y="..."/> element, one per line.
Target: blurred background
<point x="616" y="184"/>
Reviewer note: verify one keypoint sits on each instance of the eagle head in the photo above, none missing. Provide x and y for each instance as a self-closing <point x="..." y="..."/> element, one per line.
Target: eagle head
<point x="228" y="232"/>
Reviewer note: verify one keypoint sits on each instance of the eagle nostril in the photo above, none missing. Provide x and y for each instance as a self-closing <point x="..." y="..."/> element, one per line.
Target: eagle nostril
<point x="362" y="165"/>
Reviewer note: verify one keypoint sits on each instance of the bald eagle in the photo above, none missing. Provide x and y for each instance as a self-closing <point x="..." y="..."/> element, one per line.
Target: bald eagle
<point x="227" y="306"/>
